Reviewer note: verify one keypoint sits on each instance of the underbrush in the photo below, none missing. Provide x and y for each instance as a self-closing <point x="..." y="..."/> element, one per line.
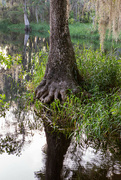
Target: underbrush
<point x="99" y="70"/>
<point x="4" y="25"/>
<point x="98" y="116"/>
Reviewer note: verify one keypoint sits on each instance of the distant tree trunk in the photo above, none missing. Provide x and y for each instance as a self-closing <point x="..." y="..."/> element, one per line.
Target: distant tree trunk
<point x="12" y="2"/>
<point x="26" y="37"/>
<point x="3" y="4"/>
<point x="24" y="61"/>
<point x="36" y="13"/>
<point x="26" y="21"/>
<point x="61" y="71"/>
<point x="31" y="9"/>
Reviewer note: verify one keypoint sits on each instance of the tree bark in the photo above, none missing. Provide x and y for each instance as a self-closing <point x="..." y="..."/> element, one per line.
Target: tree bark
<point x="61" y="71"/>
<point x="26" y="21"/>
<point x="36" y="13"/>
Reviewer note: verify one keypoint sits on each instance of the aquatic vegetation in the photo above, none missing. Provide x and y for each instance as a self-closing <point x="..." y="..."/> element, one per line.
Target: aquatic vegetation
<point x="99" y="69"/>
<point x="98" y="116"/>
<point x="3" y="105"/>
<point x="7" y="61"/>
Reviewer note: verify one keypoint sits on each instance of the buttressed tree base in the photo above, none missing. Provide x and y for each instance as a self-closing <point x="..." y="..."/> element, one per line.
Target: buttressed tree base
<point x="61" y="70"/>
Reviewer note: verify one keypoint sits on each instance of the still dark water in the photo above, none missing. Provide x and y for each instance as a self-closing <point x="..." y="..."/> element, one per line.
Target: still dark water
<point x="24" y="138"/>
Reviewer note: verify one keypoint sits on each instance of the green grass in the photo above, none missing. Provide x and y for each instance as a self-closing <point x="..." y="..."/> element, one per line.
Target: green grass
<point x="4" y="25"/>
<point x="101" y="114"/>
<point x="87" y="35"/>
<point x="36" y="29"/>
<point x="40" y="29"/>
<point x="98" y="116"/>
<point x="82" y="33"/>
<point x="17" y="27"/>
<point x="99" y="69"/>
<point x="83" y="30"/>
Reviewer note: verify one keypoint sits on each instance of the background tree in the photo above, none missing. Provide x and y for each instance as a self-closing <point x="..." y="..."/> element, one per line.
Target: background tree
<point x="37" y="10"/>
<point x="26" y="21"/>
<point x="4" y="3"/>
<point x="108" y="16"/>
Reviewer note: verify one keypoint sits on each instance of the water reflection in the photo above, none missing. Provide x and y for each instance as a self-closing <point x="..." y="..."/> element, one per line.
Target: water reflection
<point x="21" y="143"/>
<point x="86" y="162"/>
<point x="81" y="161"/>
<point x="13" y="42"/>
<point x="23" y="153"/>
<point x="57" y="145"/>
<point x="27" y="45"/>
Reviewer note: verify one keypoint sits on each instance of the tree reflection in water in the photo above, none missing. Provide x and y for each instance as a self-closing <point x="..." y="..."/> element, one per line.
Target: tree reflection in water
<point x="66" y="159"/>
<point x="16" y="130"/>
<point x="82" y="161"/>
<point x="57" y="145"/>
<point x="91" y="161"/>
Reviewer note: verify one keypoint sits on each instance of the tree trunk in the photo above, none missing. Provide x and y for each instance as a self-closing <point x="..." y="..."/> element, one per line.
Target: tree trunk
<point x="36" y="13"/>
<point x="26" y="21"/>
<point x="61" y="71"/>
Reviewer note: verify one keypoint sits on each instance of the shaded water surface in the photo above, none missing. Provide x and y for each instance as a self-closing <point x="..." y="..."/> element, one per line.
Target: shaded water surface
<point x="24" y="153"/>
<point x="30" y="150"/>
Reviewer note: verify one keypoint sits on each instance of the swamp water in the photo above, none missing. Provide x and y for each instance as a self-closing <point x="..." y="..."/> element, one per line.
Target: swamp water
<point x="23" y="145"/>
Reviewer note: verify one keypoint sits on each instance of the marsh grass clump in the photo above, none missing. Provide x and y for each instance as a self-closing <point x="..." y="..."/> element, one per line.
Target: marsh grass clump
<point x="39" y="65"/>
<point x="6" y="62"/>
<point x="99" y="116"/>
<point x="3" y="105"/>
<point x="61" y="116"/>
<point x="99" y="69"/>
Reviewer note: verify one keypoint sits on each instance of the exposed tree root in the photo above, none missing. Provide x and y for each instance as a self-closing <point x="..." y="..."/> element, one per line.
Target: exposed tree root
<point x="48" y="91"/>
